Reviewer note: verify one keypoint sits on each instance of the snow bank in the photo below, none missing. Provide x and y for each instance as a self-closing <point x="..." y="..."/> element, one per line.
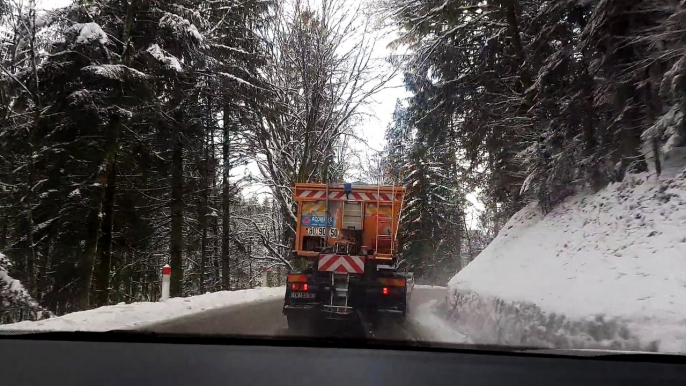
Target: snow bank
<point x="613" y="261"/>
<point x="124" y="316"/>
<point x="433" y="327"/>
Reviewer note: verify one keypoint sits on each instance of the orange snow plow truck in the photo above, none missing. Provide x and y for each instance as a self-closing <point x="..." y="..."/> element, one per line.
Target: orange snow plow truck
<point x="347" y="234"/>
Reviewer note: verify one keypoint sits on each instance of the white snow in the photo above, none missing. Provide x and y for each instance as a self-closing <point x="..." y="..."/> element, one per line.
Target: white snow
<point x="425" y="286"/>
<point x="14" y="290"/>
<point x="237" y="79"/>
<point x="90" y="32"/>
<point x="193" y="31"/>
<point x="230" y="48"/>
<point x="12" y="284"/>
<point x="115" y="71"/>
<point x="168" y="60"/>
<point x="433" y="327"/>
<point x="123" y="316"/>
<point x="619" y="253"/>
<point x="181" y="25"/>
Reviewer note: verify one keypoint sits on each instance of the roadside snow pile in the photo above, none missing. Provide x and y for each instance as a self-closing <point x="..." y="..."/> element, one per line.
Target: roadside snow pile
<point x="126" y="316"/>
<point x="433" y="327"/>
<point x="603" y="270"/>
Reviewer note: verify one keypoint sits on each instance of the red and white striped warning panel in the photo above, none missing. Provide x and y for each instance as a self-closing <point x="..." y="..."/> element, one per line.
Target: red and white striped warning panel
<point x="353" y="196"/>
<point x="341" y="263"/>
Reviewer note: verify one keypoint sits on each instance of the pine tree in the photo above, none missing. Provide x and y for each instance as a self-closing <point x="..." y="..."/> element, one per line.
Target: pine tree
<point x="398" y="144"/>
<point x="576" y="96"/>
<point x="124" y="167"/>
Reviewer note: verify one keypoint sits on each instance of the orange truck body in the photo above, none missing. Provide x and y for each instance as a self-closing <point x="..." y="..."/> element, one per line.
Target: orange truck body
<point x="379" y="208"/>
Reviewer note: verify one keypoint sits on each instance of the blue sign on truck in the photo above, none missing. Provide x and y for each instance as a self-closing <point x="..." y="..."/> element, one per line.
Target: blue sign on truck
<point x="316" y="221"/>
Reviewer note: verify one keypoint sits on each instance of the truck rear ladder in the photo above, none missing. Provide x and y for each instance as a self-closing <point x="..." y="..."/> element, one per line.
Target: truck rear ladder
<point x="338" y="301"/>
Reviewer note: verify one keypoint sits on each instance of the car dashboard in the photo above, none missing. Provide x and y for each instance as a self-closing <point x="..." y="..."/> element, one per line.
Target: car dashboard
<point x="153" y="359"/>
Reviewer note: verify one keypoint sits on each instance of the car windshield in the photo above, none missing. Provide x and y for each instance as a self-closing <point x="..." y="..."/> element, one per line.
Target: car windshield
<point x="507" y="173"/>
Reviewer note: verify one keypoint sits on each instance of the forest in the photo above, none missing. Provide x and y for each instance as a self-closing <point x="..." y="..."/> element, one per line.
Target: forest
<point x="126" y="127"/>
<point x="531" y="101"/>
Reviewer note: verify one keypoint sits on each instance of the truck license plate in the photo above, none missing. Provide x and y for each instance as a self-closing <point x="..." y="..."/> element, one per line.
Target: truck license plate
<point x="302" y="295"/>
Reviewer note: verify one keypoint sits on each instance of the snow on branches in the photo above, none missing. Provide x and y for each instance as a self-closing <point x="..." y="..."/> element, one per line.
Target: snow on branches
<point x="88" y="32"/>
<point x="15" y="302"/>
<point x="118" y="72"/>
<point x="163" y="57"/>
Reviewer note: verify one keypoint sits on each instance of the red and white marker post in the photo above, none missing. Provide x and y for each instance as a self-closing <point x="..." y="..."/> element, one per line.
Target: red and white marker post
<point x="264" y="276"/>
<point x="166" y="280"/>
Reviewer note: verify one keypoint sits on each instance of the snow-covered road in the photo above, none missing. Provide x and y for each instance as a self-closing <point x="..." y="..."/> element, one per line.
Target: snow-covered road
<point x="254" y="312"/>
<point x="135" y="315"/>
<point x="265" y="319"/>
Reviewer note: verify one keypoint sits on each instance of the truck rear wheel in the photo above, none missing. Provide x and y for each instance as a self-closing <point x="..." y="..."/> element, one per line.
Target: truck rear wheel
<point x="298" y="323"/>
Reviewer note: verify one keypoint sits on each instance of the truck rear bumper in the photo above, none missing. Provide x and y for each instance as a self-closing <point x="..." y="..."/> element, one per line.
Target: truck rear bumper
<point x="300" y="308"/>
<point x="319" y="311"/>
<point x="391" y="313"/>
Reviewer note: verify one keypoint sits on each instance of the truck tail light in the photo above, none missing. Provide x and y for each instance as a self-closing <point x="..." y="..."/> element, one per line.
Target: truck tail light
<point x="300" y="287"/>
<point x="385" y="290"/>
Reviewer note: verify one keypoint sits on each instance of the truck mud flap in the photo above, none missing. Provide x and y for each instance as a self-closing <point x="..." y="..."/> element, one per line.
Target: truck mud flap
<point x="366" y="325"/>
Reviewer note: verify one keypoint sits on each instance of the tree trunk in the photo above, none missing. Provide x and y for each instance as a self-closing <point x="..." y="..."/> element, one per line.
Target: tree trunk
<point x="176" y="206"/>
<point x="127" y="277"/>
<point x="510" y="9"/>
<point x="3" y="232"/>
<point x="116" y="267"/>
<point x="656" y="154"/>
<point x="590" y="142"/>
<point x="249" y="264"/>
<point x="43" y="269"/>
<point x="216" y="238"/>
<point x="632" y="160"/>
<point x="103" y="227"/>
<point x="102" y="276"/>
<point x="589" y="132"/>
<point x="103" y="221"/>
<point x="31" y="259"/>
<point x="469" y="239"/>
<point x="202" y="219"/>
<point x="226" y="268"/>
<point x="93" y="222"/>
<point x="458" y="238"/>
<point x="216" y="251"/>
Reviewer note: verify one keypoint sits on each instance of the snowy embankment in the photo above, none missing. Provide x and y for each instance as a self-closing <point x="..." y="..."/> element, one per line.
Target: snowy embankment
<point x="604" y="270"/>
<point x="135" y="315"/>
<point x="433" y="327"/>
